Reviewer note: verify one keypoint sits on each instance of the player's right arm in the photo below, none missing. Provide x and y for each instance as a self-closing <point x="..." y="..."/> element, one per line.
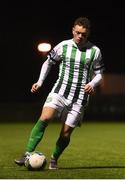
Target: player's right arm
<point x="43" y="73"/>
<point x="53" y="57"/>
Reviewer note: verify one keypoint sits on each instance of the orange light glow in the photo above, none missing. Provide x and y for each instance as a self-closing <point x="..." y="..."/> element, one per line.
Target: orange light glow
<point x="44" y="47"/>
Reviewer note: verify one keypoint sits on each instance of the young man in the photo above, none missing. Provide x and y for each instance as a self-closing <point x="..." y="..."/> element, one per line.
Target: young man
<point x="80" y="71"/>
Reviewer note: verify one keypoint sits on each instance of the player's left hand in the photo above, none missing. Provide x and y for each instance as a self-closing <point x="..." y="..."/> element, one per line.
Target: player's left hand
<point x="88" y="89"/>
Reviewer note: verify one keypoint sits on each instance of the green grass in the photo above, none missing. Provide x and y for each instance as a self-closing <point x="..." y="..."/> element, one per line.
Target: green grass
<point x="96" y="151"/>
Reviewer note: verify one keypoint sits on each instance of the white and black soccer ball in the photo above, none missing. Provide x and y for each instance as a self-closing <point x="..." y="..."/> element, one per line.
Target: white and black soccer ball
<point x="36" y="161"/>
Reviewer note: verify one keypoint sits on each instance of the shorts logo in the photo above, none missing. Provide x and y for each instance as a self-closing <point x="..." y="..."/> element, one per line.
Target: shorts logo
<point x="49" y="99"/>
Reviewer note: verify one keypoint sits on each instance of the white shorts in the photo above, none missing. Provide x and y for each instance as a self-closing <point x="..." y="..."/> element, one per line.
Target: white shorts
<point x="70" y="113"/>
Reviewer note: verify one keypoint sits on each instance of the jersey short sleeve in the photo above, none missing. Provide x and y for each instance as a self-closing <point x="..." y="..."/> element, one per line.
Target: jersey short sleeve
<point x="98" y="64"/>
<point x="55" y="54"/>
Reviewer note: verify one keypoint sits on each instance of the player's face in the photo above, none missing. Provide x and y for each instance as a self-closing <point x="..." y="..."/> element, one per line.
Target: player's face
<point x="80" y="34"/>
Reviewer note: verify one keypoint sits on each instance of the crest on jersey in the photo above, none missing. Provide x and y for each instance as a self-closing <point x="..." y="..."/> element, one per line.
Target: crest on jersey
<point x="87" y="63"/>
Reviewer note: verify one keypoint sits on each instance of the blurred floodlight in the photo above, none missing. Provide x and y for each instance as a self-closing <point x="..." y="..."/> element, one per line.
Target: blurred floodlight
<point x="44" y="47"/>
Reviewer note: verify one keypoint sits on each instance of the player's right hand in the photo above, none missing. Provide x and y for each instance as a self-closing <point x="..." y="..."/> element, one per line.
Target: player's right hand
<point x="35" y="88"/>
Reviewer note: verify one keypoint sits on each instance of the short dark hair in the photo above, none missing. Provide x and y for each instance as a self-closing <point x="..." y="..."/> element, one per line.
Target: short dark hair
<point x="82" y="21"/>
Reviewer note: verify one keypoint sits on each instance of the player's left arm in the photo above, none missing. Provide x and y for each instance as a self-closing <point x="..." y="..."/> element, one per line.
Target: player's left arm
<point x="98" y="68"/>
<point x="90" y="87"/>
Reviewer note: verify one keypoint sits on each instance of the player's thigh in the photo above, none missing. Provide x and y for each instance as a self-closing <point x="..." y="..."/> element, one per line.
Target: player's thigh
<point x="52" y="107"/>
<point x="48" y="113"/>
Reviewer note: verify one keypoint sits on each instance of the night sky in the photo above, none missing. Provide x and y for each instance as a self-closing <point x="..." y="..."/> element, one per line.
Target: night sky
<point x="25" y="24"/>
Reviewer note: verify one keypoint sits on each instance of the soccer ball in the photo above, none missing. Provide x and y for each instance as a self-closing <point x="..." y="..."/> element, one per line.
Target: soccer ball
<point x="36" y="161"/>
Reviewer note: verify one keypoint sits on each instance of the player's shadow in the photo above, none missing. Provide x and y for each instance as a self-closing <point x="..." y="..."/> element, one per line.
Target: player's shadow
<point x="94" y="167"/>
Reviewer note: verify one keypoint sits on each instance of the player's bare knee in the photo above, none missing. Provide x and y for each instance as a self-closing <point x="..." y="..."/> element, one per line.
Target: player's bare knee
<point x="46" y="117"/>
<point x="67" y="132"/>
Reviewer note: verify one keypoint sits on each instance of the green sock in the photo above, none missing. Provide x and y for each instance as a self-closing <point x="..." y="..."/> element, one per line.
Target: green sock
<point x="36" y="135"/>
<point x="61" y="144"/>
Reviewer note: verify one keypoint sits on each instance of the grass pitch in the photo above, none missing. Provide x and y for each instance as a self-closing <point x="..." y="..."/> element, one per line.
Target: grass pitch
<point x="96" y="151"/>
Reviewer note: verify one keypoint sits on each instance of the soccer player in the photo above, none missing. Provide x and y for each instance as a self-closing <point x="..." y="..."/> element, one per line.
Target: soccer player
<point x="80" y="71"/>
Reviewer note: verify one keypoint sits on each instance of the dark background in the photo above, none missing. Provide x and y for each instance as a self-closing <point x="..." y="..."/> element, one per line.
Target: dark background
<point x="23" y="25"/>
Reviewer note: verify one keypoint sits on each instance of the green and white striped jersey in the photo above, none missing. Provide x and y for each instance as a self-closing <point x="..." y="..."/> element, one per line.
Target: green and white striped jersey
<point x="76" y="68"/>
